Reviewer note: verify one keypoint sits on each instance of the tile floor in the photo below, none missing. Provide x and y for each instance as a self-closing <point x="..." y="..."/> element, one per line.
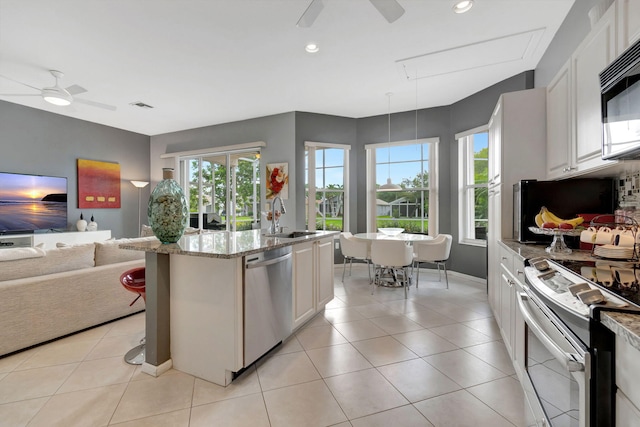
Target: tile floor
<point x="435" y="359"/>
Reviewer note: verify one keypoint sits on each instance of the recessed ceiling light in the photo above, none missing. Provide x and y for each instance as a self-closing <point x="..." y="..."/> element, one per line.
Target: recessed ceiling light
<point x="462" y="6"/>
<point x="312" y="47"/>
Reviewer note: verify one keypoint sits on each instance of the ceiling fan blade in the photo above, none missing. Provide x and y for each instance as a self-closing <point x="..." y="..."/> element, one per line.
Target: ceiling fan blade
<point x="20" y="94"/>
<point x="19" y="82"/>
<point x="390" y="9"/>
<point x="309" y="16"/>
<point x="75" y="90"/>
<point x="94" y="104"/>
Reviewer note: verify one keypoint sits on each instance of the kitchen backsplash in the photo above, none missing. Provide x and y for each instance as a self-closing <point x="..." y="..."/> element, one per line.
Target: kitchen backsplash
<point x="629" y="190"/>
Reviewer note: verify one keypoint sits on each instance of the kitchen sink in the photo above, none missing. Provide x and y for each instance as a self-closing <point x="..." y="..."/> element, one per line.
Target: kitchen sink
<point x="292" y="234"/>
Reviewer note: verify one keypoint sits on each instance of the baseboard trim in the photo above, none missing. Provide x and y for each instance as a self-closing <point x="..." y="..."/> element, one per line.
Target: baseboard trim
<point x="156" y="371"/>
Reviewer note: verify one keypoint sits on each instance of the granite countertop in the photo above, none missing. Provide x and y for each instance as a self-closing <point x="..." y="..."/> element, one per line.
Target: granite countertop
<point x="528" y="251"/>
<point x="224" y="244"/>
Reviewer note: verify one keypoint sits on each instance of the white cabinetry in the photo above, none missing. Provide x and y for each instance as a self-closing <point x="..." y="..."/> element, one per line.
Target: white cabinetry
<point x="628" y="23"/>
<point x="628" y="384"/>
<point x="517" y="138"/>
<point x="574" y="130"/>
<point x="49" y="240"/>
<point x="312" y="278"/>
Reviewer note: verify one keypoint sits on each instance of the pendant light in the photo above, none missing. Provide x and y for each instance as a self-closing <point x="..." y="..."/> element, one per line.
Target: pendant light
<point x="389" y="186"/>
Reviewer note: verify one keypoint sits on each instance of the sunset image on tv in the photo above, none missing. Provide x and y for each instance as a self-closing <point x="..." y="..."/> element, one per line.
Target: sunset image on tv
<point x="32" y="202"/>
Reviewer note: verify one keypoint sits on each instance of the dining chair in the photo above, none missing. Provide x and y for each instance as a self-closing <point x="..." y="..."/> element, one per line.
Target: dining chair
<point x="434" y="251"/>
<point x="353" y="248"/>
<point x="391" y="258"/>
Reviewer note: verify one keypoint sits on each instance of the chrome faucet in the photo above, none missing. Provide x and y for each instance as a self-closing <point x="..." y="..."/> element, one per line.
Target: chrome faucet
<point x="275" y="221"/>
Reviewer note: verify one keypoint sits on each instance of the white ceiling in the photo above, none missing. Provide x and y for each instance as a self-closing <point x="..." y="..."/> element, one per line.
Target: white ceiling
<point x="206" y="62"/>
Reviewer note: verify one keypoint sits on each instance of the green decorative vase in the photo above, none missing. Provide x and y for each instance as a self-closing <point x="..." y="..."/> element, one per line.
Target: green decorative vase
<point x="168" y="210"/>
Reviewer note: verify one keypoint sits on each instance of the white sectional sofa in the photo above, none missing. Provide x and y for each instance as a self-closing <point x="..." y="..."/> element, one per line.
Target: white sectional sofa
<point x="46" y="294"/>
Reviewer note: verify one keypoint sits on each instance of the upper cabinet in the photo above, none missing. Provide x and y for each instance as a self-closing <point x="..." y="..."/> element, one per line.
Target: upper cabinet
<point x="628" y="23"/>
<point x="574" y="132"/>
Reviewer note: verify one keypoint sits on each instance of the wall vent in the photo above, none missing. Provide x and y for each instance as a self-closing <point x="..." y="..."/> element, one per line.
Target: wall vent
<point x="141" y="105"/>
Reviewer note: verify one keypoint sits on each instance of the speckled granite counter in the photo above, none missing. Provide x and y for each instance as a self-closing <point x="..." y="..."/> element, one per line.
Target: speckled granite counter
<point x="624" y="325"/>
<point x="533" y="251"/>
<point x="224" y="244"/>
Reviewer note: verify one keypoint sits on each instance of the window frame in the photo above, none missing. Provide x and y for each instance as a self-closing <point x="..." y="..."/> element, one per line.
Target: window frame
<point x="433" y="188"/>
<point x="466" y="212"/>
<point x="311" y="147"/>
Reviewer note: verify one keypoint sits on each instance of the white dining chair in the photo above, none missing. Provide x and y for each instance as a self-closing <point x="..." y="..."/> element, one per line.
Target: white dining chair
<point x="393" y="257"/>
<point x="434" y="251"/>
<point x="353" y="248"/>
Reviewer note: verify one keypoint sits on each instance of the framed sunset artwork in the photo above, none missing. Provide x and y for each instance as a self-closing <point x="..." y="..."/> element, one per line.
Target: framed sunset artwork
<point x="98" y="184"/>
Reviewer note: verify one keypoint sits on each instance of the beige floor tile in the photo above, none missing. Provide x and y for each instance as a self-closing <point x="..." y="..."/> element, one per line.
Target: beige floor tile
<point x="33" y="383"/>
<point x="461" y="335"/>
<point x="287" y="369"/>
<point x="321" y="336"/>
<point x="384" y="350"/>
<point x="81" y="408"/>
<point x="364" y="392"/>
<point x="9" y="363"/>
<point x="90" y="334"/>
<point x="404" y="416"/>
<point x="359" y="330"/>
<point x="351" y="300"/>
<point x="428" y="318"/>
<point x="461" y="409"/>
<point x="396" y="324"/>
<point x="338" y="359"/>
<point x="495" y="354"/>
<point x="18" y="414"/>
<point x="310" y="404"/>
<point x="59" y="353"/>
<point x="128" y="326"/>
<point x="117" y="345"/>
<point x="98" y="373"/>
<point x="424" y="342"/>
<point x="246" y="411"/>
<point x="504" y="396"/>
<point x="335" y="303"/>
<point x="417" y="380"/>
<point x="172" y="419"/>
<point x="487" y="326"/>
<point x="342" y="314"/>
<point x="374" y="310"/>
<point x="344" y="424"/>
<point x="464" y="368"/>
<point x="205" y="392"/>
<point x="145" y="398"/>
<point x="404" y="306"/>
<point x="460" y="314"/>
<point x="318" y="320"/>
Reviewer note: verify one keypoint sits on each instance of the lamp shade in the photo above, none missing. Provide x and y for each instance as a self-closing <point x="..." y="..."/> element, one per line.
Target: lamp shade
<point x="389" y="186"/>
<point x="140" y="184"/>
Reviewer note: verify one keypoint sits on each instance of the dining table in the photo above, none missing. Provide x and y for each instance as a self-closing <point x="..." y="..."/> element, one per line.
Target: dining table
<point x="407" y="237"/>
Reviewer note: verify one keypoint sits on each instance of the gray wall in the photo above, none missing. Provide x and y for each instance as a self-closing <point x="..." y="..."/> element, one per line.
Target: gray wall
<point x="38" y="142"/>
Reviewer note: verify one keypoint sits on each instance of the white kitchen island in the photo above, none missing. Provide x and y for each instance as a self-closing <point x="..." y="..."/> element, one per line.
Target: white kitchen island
<point x="195" y="297"/>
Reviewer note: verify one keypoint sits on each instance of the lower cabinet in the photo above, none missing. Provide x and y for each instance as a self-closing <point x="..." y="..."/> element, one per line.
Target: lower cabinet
<point x="628" y="384"/>
<point x="505" y="306"/>
<point x="312" y="278"/>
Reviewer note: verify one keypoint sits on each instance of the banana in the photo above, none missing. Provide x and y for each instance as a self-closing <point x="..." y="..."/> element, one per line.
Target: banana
<point x="539" y="220"/>
<point x="548" y="216"/>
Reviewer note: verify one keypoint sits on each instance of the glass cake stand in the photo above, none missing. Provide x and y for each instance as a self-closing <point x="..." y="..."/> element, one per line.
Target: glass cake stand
<point x="558" y="246"/>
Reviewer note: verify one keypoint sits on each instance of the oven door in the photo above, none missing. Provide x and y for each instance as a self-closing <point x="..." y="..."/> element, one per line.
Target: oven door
<point x="556" y="367"/>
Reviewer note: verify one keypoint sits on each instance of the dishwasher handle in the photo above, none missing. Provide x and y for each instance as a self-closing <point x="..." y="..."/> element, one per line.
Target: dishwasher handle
<point x="266" y="262"/>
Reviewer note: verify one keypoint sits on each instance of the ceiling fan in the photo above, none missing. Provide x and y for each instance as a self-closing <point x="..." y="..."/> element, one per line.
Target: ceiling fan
<point x="57" y="95"/>
<point x="390" y="9"/>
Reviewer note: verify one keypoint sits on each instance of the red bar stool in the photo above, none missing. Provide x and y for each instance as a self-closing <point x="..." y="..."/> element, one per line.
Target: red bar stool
<point x="133" y="280"/>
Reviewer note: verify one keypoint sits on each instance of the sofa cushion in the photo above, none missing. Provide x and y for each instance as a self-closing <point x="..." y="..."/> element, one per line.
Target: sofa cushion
<point x="55" y="260"/>
<point x="109" y="252"/>
<point x="12" y="254"/>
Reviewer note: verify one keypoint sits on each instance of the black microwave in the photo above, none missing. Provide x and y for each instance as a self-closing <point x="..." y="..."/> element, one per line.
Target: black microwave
<point x="620" y="102"/>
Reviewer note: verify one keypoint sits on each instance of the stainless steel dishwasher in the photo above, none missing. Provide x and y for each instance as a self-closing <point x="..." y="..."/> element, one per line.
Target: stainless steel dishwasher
<point x="267" y="302"/>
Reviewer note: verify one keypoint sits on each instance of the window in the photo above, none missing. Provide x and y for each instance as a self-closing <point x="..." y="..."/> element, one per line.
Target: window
<point x="326" y="186"/>
<point x="413" y="166"/>
<point x="473" y="150"/>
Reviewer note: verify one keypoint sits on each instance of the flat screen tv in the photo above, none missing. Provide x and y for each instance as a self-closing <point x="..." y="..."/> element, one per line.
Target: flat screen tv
<point x="32" y="202"/>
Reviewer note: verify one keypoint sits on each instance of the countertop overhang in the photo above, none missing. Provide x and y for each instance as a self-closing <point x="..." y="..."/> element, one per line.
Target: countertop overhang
<point x="224" y="244"/>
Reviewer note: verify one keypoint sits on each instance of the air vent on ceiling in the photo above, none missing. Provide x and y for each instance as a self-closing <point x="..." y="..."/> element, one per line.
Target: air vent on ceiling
<point x="141" y="105"/>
